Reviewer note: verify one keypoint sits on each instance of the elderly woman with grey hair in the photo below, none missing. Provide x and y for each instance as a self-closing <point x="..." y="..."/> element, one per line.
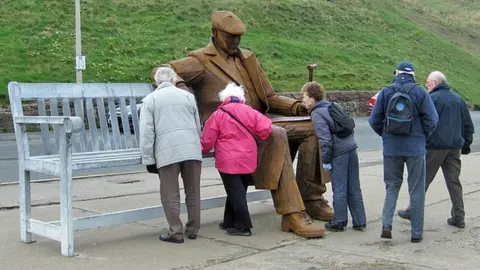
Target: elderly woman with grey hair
<point x="233" y="130"/>
<point x="170" y="133"/>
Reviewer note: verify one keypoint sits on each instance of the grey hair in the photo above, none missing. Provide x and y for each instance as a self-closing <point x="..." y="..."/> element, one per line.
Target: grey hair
<point x="438" y="76"/>
<point x="234" y="90"/>
<point x="165" y="74"/>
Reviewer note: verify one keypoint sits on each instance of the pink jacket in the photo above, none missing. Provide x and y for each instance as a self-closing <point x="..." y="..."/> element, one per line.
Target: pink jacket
<point x="235" y="148"/>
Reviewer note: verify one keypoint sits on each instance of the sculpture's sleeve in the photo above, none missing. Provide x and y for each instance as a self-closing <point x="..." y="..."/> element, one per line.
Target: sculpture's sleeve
<point x="189" y="71"/>
<point x="277" y="103"/>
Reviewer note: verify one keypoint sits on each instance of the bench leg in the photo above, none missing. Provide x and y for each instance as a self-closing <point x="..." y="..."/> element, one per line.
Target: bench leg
<point x="66" y="219"/>
<point x="25" y="204"/>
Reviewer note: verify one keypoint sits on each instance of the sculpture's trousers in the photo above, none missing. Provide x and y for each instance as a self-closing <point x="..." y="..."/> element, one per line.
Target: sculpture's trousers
<point x="275" y="171"/>
<point x="302" y="140"/>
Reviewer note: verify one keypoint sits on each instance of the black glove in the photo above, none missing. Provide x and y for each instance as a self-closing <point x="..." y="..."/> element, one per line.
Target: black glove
<point x="466" y="150"/>
<point x="152" y="168"/>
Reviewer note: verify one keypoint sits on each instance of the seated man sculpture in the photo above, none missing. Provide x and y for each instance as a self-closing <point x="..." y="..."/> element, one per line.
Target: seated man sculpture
<point x="206" y="71"/>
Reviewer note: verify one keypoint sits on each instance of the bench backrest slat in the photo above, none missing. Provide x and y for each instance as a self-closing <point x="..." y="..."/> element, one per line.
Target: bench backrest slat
<point x="67" y="111"/>
<point x="117" y="142"/>
<point x="53" y="105"/>
<point x="107" y="145"/>
<point x="136" y="123"/>
<point x="108" y="110"/>
<point x="44" y="127"/>
<point x="125" y="123"/>
<point x="78" y="107"/>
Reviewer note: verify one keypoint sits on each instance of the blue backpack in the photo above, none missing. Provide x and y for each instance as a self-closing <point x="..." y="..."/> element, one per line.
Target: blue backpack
<point x="399" y="113"/>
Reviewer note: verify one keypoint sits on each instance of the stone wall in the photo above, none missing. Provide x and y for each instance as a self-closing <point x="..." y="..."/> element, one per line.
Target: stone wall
<point x="355" y="102"/>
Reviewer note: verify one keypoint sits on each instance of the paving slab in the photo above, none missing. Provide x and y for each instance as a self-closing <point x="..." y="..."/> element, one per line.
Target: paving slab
<point x="44" y="193"/>
<point x="295" y="257"/>
<point x="130" y="246"/>
<point x="444" y="247"/>
<point x="266" y="222"/>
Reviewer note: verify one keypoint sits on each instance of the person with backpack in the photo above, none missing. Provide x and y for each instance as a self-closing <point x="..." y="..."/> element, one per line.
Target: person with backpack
<point x="234" y="130"/>
<point x="334" y="130"/>
<point x="404" y="116"/>
<point x="451" y="139"/>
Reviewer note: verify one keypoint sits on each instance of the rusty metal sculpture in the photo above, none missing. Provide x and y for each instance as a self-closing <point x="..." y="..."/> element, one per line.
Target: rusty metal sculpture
<point x="206" y="71"/>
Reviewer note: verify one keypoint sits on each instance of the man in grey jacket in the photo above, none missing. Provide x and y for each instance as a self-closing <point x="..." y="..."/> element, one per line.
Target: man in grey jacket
<point x="170" y="133"/>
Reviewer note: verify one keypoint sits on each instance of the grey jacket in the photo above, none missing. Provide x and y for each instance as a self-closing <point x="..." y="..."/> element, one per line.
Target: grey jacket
<point x="170" y="127"/>
<point x="332" y="146"/>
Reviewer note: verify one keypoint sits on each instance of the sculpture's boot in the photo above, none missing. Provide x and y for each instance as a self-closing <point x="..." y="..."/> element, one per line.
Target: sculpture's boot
<point x="319" y="209"/>
<point x="302" y="225"/>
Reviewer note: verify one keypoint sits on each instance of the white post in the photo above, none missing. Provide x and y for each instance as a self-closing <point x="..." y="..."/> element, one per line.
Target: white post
<point x="80" y="60"/>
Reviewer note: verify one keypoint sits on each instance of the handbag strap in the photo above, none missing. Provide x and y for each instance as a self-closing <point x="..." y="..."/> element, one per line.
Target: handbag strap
<point x="236" y="119"/>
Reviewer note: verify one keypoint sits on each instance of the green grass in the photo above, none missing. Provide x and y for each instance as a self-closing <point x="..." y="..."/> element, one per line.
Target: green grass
<point x="355" y="43"/>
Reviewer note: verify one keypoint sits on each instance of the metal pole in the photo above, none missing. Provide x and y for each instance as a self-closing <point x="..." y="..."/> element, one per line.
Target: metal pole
<point x="80" y="60"/>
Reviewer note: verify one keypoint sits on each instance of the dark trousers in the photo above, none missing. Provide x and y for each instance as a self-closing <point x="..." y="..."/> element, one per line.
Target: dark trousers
<point x="236" y="209"/>
<point x="449" y="161"/>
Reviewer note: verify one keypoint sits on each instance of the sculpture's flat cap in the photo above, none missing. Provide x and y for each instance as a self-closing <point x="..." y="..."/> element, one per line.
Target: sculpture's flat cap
<point x="228" y="22"/>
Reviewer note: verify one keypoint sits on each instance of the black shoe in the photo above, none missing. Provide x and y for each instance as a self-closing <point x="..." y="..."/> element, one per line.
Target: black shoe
<point x="359" y="227"/>
<point x="167" y="237"/>
<point x="416" y="240"/>
<point x="456" y="223"/>
<point x="386" y="232"/>
<point x="334" y="227"/>
<point x="222" y="227"/>
<point x="239" y="232"/>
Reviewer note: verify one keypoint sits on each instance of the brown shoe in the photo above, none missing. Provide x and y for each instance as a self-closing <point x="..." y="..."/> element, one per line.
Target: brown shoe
<point x="302" y="225"/>
<point x="319" y="209"/>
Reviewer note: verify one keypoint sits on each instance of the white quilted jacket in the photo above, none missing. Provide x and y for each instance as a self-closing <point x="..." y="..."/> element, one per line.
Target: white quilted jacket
<point x="170" y="127"/>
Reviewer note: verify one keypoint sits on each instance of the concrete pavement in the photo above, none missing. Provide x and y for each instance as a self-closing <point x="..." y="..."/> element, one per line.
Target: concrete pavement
<point x="135" y="246"/>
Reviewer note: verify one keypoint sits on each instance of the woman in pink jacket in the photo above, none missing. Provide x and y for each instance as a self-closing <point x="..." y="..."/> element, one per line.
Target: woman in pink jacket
<point x="233" y="130"/>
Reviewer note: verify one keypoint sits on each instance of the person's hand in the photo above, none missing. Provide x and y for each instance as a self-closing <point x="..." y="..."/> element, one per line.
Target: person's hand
<point x="327" y="167"/>
<point x="466" y="150"/>
<point x="152" y="168"/>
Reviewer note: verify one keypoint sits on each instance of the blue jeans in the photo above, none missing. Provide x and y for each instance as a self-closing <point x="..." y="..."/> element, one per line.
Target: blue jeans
<point x="346" y="190"/>
<point x="393" y="177"/>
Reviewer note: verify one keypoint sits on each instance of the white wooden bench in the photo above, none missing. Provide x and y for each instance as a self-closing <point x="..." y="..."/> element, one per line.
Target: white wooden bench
<point x="81" y="139"/>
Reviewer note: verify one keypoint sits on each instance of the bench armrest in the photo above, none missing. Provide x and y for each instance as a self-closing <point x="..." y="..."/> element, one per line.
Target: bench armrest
<point x="71" y="124"/>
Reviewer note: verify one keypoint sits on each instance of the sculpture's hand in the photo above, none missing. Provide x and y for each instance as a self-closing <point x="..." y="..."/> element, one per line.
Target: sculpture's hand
<point x="301" y="109"/>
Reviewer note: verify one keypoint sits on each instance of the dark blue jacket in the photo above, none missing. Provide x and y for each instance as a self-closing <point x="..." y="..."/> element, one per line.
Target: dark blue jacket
<point x="455" y="128"/>
<point x="424" y="122"/>
<point x="331" y="145"/>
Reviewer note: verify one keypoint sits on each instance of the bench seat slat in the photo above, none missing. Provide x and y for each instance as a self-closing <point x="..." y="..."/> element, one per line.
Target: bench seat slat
<point x="86" y="160"/>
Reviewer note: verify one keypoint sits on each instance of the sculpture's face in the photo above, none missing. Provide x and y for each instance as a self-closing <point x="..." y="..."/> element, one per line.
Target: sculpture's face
<point x="307" y="101"/>
<point x="227" y="42"/>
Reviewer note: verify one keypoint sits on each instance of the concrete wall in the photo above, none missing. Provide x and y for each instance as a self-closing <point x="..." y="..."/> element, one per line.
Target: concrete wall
<point x="355" y="102"/>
